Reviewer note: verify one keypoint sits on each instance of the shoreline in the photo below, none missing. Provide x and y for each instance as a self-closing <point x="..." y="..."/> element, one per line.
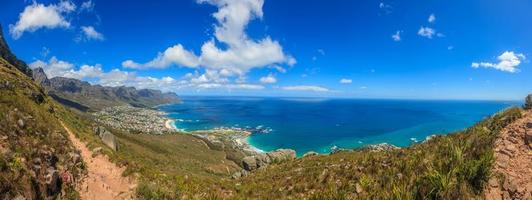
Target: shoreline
<point x="170" y="124"/>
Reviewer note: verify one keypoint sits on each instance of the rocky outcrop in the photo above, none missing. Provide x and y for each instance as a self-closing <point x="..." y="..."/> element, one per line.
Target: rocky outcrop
<point x="309" y="154"/>
<point x="281" y="155"/>
<point x="261" y="160"/>
<point x="40" y="77"/>
<point x="107" y="137"/>
<point x="381" y="147"/>
<point x="513" y="162"/>
<point x="5" y="53"/>
<point x="528" y="102"/>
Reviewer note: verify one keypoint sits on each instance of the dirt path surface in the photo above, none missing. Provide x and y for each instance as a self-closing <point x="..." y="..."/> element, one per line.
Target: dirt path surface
<point x="104" y="179"/>
<point x="513" y="159"/>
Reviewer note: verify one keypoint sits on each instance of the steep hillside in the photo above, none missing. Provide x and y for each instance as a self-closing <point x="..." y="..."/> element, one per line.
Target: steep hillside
<point x="37" y="161"/>
<point x="84" y="96"/>
<point x="5" y="53"/>
<point x="456" y="166"/>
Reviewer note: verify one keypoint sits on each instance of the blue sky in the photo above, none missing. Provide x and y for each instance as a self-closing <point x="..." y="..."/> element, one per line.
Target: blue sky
<point x="477" y="49"/>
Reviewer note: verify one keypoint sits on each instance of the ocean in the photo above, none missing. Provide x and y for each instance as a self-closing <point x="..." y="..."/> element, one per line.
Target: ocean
<point x="319" y="124"/>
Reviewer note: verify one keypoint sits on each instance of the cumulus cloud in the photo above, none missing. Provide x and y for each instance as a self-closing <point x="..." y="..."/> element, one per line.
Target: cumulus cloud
<point x="508" y="62"/>
<point x="397" y="36"/>
<point x="270" y="79"/>
<point x="176" y="55"/>
<point x="426" y="32"/>
<point x="87" y="6"/>
<point x="311" y="88"/>
<point x="91" y="34"/>
<point x="37" y="16"/>
<point x="345" y="81"/>
<point x="432" y="18"/>
<point x="55" y="67"/>
<point x="239" y="53"/>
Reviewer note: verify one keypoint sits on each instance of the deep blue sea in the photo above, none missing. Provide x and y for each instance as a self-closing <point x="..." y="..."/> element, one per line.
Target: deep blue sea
<point x="317" y="124"/>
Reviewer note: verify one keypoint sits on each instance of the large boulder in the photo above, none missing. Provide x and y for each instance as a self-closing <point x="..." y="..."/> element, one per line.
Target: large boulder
<point x="249" y="163"/>
<point x="281" y="155"/>
<point x="107" y="137"/>
<point x="528" y="102"/>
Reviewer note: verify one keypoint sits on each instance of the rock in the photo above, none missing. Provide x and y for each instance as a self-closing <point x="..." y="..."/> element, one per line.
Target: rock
<point x="244" y="173"/>
<point x="107" y="137"/>
<point x="262" y="160"/>
<point x="75" y="157"/>
<point x="53" y="185"/>
<point x="110" y="140"/>
<point x="249" y="163"/>
<point x="358" y="188"/>
<point x="310" y="153"/>
<point x="323" y="176"/>
<point x="19" y="197"/>
<point x="236" y="175"/>
<point x="97" y="150"/>
<point x="281" y="155"/>
<point x="37" y="97"/>
<point x="528" y="102"/>
<point x="529" y="125"/>
<point x="381" y="147"/>
<point x="20" y="123"/>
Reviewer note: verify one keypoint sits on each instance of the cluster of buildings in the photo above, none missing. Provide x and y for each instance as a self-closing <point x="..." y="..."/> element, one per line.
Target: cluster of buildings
<point x="134" y="120"/>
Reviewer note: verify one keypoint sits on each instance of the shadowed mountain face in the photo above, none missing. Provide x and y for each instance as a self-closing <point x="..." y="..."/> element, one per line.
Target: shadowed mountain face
<point x="6" y="54"/>
<point x="84" y="96"/>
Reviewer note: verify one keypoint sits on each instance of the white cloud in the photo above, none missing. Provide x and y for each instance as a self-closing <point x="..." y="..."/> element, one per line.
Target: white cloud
<point x="450" y="47"/>
<point x="176" y="55"/>
<point x="91" y="33"/>
<point x="55" y="67"/>
<point x="508" y="62"/>
<point x="397" y="36"/>
<point x="345" y="81"/>
<point x="270" y="79"/>
<point x="37" y="16"/>
<point x="426" y="32"/>
<point x="311" y="88"/>
<point x="240" y="53"/>
<point x="432" y="18"/>
<point x="87" y="6"/>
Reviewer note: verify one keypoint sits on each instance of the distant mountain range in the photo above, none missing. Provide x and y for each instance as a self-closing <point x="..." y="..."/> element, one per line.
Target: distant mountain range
<point x="86" y="97"/>
<point x="82" y="95"/>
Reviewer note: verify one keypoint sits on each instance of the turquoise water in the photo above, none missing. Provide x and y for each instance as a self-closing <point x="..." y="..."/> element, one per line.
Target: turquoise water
<point x="316" y="124"/>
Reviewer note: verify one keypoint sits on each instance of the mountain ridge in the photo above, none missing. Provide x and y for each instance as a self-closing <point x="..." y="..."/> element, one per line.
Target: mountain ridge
<point x="84" y="96"/>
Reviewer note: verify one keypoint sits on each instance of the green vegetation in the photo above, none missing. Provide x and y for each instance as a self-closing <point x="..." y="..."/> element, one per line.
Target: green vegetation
<point x="167" y="166"/>
<point x="33" y="144"/>
<point x="456" y="166"/>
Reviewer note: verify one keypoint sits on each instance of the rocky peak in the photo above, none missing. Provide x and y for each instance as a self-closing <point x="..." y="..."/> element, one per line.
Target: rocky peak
<point x="40" y="77"/>
<point x="6" y="54"/>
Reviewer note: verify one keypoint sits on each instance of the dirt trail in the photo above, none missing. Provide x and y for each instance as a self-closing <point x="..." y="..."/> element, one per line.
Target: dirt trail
<point x="513" y="159"/>
<point x="104" y="179"/>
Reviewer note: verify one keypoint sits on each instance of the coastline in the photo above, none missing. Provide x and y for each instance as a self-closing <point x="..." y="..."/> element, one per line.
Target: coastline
<point x="170" y="124"/>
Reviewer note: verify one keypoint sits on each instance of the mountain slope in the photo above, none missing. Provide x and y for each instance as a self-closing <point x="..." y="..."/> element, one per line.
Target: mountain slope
<point x="37" y="161"/>
<point x="5" y="53"/>
<point x="84" y="96"/>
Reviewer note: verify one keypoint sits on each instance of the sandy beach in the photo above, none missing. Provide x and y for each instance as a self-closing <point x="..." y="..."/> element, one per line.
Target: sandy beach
<point x="168" y="124"/>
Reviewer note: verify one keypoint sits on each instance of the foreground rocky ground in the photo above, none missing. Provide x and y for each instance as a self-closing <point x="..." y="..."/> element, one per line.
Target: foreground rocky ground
<point x="513" y="162"/>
